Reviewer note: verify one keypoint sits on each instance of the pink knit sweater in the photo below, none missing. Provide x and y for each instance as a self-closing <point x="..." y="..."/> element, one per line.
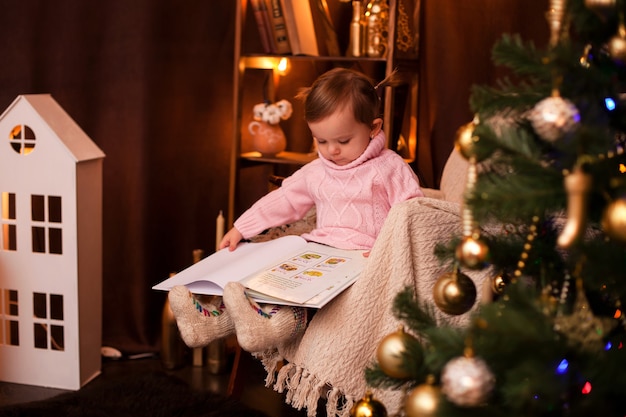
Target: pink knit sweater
<point x="352" y="201"/>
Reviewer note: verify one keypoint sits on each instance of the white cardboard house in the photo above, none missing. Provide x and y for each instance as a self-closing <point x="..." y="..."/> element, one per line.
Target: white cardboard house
<point x="50" y="247"/>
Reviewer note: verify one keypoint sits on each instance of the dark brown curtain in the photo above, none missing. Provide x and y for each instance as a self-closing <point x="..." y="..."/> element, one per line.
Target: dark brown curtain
<point x="150" y="82"/>
<point x="456" y="39"/>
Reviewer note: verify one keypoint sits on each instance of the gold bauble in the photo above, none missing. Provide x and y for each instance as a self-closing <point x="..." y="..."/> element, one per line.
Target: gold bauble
<point x="617" y="44"/>
<point x="614" y="220"/>
<point x="454" y="293"/>
<point x="472" y="252"/>
<point x="390" y="352"/>
<point x="465" y="141"/>
<point x="368" y="407"/>
<point x="423" y="401"/>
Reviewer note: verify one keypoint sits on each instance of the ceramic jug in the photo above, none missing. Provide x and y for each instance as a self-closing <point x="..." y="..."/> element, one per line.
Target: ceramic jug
<point x="267" y="139"/>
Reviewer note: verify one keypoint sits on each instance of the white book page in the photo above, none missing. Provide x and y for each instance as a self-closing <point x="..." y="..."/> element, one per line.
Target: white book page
<point x="307" y="273"/>
<point x="211" y="274"/>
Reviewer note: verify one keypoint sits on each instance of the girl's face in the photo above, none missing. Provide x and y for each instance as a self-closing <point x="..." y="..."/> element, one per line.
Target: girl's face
<point x="340" y="138"/>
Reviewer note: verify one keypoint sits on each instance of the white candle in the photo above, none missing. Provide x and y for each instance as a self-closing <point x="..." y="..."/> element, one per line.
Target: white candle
<point x="219" y="230"/>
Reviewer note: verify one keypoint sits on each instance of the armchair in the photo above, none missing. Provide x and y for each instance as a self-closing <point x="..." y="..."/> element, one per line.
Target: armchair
<point x="329" y="360"/>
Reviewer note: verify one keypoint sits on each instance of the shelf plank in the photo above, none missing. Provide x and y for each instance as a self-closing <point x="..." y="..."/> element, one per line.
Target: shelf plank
<point x="290" y="158"/>
<point x="264" y="61"/>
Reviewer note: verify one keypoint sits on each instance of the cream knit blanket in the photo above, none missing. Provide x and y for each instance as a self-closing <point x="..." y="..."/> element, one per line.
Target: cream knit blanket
<point x="329" y="360"/>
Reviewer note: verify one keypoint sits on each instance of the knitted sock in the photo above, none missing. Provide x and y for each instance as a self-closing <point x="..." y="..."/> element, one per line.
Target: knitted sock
<point x="259" y="328"/>
<point x="199" y="323"/>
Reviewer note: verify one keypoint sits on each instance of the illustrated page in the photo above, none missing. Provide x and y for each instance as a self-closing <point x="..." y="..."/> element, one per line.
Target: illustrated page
<point x="314" y="270"/>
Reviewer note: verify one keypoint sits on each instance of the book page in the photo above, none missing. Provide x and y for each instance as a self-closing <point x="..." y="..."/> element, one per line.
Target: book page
<point x="309" y="272"/>
<point x="211" y="274"/>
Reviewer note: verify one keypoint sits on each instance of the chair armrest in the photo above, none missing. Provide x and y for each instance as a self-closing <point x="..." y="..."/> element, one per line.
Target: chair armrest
<point x="433" y="193"/>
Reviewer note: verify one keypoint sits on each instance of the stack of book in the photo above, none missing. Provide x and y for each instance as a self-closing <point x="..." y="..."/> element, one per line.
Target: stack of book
<point x="296" y="27"/>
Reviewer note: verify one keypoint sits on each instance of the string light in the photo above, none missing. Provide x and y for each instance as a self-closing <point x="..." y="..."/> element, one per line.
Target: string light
<point x="283" y="66"/>
<point x="563" y="366"/>
<point x="586" y="388"/>
<point x="609" y="103"/>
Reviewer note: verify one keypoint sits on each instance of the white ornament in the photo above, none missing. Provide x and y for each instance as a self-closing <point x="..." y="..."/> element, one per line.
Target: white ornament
<point x="554" y="117"/>
<point x="467" y="381"/>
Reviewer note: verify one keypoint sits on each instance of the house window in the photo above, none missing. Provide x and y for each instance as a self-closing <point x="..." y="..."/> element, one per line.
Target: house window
<point x="48" y="321"/>
<point x="47" y="236"/>
<point x="9" y="329"/>
<point x="8" y="222"/>
<point x="22" y="139"/>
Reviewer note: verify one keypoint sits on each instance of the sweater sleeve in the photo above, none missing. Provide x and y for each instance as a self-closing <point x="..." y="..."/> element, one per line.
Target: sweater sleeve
<point x="403" y="183"/>
<point x="288" y="203"/>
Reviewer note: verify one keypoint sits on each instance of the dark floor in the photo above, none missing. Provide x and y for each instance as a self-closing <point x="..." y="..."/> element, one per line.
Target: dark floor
<point x="253" y="391"/>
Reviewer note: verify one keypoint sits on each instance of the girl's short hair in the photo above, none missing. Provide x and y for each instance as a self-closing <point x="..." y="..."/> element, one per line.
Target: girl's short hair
<point x="338" y="88"/>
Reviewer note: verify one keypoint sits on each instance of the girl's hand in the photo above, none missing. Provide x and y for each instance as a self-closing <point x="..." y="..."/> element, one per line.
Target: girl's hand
<point x="231" y="239"/>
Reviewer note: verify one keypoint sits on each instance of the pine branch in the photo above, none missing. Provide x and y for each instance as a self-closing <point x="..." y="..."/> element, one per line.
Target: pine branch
<point x="492" y="100"/>
<point x="521" y="57"/>
<point x="513" y="198"/>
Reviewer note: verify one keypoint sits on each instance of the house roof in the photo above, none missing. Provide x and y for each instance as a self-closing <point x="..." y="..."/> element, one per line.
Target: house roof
<point x="76" y="141"/>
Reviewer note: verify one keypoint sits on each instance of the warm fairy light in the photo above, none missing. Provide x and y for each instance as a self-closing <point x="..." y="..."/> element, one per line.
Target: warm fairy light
<point x="586" y="388"/>
<point x="622" y="168"/>
<point x="283" y="66"/>
<point x="618" y="314"/>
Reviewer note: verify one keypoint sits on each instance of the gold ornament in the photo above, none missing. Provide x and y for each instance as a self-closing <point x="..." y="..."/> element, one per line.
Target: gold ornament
<point x="390" y="353"/>
<point x="454" y="293"/>
<point x="584" y="58"/>
<point x="603" y="8"/>
<point x="578" y="185"/>
<point x="368" y="407"/>
<point x="555" y="16"/>
<point x="465" y="140"/>
<point x="614" y="220"/>
<point x="499" y="283"/>
<point x="423" y="401"/>
<point x="466" y="143"/>
<point x="617" y="44"/>
<point x="473" y="252"/>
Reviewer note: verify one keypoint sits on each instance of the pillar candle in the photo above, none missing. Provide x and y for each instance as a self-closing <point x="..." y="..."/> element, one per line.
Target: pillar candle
<point x="219" y="230"/>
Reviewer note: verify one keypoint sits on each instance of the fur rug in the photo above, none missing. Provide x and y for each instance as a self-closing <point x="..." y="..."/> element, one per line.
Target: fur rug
<point x="151" y="394"/>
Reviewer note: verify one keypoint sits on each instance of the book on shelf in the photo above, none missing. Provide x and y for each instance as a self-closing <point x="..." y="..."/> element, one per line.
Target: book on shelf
<point x="261" y="16"/>
<point x="278" y="28"/>
<point x="285" y="271"/>
<point x="325" y="29"/>
<point x="300" y="27"/>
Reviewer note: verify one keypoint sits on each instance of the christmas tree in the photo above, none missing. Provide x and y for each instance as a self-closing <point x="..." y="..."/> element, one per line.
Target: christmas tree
<point x="545" y="211"/>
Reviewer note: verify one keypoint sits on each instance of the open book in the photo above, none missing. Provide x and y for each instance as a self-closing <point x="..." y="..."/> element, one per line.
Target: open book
<point x="288" y="271"/>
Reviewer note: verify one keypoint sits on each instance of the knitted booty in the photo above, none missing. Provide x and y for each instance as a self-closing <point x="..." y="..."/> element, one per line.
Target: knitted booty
<point x="257" y="328"/>
<point x="199" y="323"/>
